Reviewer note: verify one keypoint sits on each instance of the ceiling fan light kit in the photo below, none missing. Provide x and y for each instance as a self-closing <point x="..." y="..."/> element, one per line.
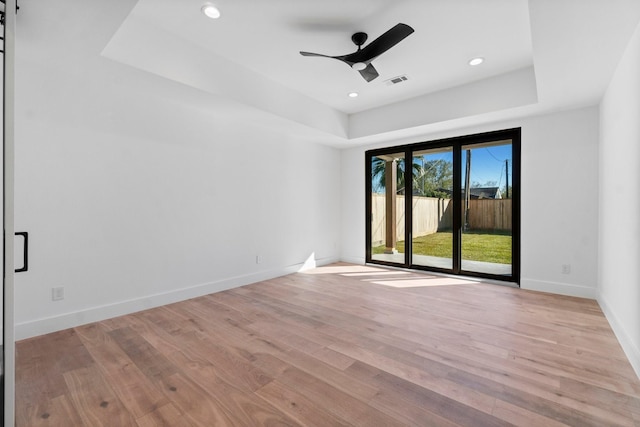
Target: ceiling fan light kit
<point x="210" y="11"/>
<point x="361" y="59"/>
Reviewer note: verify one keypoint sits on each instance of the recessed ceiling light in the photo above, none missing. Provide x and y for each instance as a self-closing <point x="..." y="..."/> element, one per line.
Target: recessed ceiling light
<point x="353" y="94"/>
<point x="211" y="11"/>
<point x="476" y="61"/>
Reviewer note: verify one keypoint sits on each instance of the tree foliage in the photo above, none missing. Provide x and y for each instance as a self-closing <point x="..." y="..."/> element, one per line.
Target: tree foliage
<point x="476" y="184"/>
<point x="378" y="173"/>
<point x="436" y="179"/>
<point x="431" y="178"/>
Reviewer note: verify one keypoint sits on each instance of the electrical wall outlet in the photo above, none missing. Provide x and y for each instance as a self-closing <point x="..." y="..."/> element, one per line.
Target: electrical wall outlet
<point x="566" y="268"/>
<point x="57" y="294"/>
<point x="258" y="259"/>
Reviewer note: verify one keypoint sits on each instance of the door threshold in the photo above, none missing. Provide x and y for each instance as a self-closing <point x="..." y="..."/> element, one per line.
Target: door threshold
<point x="451" y="276"/>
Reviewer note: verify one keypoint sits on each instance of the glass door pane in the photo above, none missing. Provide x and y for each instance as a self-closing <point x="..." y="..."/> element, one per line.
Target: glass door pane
<point x="387" y="207"/>
<point x="432" y="204"/>
<point x="487" y="208"/>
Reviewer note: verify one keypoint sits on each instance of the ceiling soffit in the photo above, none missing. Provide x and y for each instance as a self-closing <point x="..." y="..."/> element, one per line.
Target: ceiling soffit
<point x="252" y="57"/>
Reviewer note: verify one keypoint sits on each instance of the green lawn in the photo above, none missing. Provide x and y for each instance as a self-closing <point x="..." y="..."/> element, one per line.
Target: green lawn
<point x="476" y="246"/>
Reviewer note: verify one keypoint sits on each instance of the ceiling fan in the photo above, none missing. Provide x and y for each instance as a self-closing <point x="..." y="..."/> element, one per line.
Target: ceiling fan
<point x="360" y="60"/>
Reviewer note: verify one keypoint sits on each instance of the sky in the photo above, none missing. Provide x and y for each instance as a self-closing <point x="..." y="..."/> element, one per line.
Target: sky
<point x="488" y="164"/>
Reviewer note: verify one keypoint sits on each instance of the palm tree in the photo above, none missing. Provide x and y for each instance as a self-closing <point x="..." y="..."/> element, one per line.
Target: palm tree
<point x="378" y="174"/>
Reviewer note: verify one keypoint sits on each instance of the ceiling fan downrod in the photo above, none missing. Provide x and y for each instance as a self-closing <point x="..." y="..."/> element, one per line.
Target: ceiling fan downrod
<point x="359" y="39"/>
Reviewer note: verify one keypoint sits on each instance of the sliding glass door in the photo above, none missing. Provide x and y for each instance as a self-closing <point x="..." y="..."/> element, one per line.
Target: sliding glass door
<point x="387" y="181"/>
<point x="487" y="234"/>
<point x="432" y="209"/>
<point x="449" y="205"/>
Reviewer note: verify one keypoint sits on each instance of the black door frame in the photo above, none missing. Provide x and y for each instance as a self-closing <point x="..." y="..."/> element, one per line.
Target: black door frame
<point x="514" y="135"/>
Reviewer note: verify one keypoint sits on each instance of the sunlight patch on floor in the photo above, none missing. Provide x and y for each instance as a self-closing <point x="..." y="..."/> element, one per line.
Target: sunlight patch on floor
<point x="344" y="269"/>
<point x="423" y="282"/>
<point x="376" y="273"/>
<point x="386" y="277"/>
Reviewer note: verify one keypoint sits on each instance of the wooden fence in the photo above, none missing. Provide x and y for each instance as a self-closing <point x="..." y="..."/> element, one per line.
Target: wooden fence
<point x="432" y="214"/>
<point x="490" y="214"/>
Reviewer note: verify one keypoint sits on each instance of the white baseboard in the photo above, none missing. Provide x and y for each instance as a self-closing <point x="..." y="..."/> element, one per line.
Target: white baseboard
<point x="558" y="288"/>
<point x="630" y="349"/>
<point x="353" y="260"/>
<point x="95" y="314"/>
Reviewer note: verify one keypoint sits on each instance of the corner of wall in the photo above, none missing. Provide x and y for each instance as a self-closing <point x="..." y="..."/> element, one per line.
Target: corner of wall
<point x="353" y="260"/>
<point x="628" y="346"/>
<point x="618" y="249"/>
<point x="558" y="288"/>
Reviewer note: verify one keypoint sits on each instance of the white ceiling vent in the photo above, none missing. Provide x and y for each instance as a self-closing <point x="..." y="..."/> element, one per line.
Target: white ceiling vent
<point x="396" y="80"/>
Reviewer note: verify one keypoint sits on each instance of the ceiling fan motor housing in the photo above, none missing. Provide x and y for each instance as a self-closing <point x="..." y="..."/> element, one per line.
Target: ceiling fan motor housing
<point x="359" y="38"/>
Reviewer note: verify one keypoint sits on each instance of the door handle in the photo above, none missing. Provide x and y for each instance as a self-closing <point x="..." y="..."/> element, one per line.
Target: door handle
<point x="25" y="251"/>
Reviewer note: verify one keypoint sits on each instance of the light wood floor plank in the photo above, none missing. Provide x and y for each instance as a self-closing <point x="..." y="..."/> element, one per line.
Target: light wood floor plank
<point x="337" y="345"/>
<point x="165" y="416"/>
<point x="94" y="400"/>
<point x="299" y="407"/>
<point x="44" y="360"/>
<point x="129" y="383"/>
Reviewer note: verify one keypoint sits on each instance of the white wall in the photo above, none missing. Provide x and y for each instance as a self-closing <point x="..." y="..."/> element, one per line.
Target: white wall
<point x="619" y="258"/>
<point x="509" y="90"/>
<point x="137" y="192"/>
<point x="559" y="199"/>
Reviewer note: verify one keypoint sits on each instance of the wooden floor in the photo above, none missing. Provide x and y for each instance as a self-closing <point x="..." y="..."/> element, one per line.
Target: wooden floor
<point x="339" y="345"/>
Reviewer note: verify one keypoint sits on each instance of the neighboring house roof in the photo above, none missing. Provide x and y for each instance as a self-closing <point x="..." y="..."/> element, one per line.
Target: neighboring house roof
<point x="476" y="192"/>
<point x="485" y="193"/>
<point x="480" y="192"/>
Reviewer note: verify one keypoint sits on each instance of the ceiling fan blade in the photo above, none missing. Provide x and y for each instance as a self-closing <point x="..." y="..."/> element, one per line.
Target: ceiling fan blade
<point x="320" y="55"/>
<point x="315" y="54"/>
<point x="369" y="73"/>
<point x="383" y="43"/>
